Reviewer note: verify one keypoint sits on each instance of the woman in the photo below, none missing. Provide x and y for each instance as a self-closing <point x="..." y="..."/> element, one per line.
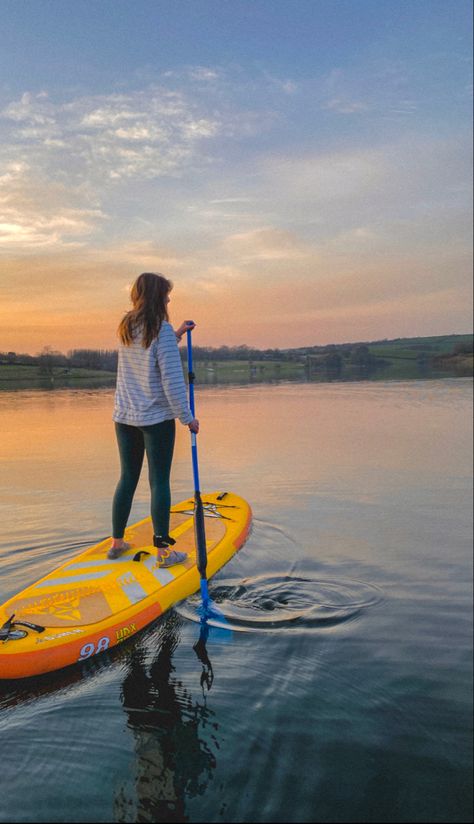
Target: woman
<point x="150" y="394"/>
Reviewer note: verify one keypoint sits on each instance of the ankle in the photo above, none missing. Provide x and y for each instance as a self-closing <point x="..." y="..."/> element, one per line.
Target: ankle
<point x="163" y="541"/>
<point x="117" y="543"/>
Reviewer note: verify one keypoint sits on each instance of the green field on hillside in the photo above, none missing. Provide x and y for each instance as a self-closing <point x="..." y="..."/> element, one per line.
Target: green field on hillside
<point x="413" y="348"/>
<point x="15" y="375"/>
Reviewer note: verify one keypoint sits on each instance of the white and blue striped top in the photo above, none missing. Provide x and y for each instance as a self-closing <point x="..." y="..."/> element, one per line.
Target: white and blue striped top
<point x="150" y="382"/>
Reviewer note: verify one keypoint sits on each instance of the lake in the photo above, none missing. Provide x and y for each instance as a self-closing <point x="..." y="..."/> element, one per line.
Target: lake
<point x="343" y="692"/>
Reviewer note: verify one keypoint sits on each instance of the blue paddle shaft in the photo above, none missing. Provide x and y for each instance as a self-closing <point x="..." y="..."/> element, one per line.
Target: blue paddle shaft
<point x="199" y="528"/>
<point x="197" y="487"/>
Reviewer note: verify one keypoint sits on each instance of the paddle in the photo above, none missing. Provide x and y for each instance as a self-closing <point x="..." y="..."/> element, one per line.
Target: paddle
<point x="209" y="608"/>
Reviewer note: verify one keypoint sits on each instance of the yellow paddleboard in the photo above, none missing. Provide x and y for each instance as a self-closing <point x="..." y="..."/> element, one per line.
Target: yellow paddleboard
<point x="90" y="603"/>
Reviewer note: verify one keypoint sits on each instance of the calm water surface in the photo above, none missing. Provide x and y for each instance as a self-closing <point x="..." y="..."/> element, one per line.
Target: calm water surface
<point x="343" y="694"/>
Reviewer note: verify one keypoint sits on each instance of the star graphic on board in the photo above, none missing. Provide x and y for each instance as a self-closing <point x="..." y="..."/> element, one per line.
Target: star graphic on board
<point x="67" y="609"/>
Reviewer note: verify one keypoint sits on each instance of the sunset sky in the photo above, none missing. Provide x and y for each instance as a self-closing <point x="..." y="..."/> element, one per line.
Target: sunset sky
<point x="301" y="169"/>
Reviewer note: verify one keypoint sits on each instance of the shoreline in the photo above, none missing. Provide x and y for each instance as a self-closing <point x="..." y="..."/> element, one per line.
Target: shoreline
<point x="241" y="374"/>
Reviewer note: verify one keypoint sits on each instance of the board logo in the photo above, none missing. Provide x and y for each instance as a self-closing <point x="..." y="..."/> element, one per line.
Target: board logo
<point x="124" y="632"/>
<point x="43" y="638"/>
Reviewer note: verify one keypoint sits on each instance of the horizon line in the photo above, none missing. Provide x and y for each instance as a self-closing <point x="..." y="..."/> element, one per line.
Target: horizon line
<point x="256" y="348"/>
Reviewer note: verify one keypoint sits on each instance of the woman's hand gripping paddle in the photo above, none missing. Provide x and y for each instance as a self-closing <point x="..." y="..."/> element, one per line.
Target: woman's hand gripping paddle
<point x="209" y="610"/>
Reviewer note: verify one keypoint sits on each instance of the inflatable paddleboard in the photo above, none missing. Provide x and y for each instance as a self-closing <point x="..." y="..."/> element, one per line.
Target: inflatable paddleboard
<point x="91" y="604"/>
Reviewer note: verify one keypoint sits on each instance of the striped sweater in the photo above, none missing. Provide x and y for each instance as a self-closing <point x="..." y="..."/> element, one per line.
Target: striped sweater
<point x="150" y="382"/>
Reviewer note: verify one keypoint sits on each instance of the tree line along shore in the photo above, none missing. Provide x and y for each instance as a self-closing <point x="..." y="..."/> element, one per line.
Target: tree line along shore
<point x="401" y="358"/>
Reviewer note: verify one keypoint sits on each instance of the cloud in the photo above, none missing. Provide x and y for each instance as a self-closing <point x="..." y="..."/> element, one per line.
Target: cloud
<point x="266" y="244"/>
<point x="39" y="213"/>
<point x="418" y="180"/>
<point x="31" y="109"/>
<point x="143" y="255"/>
<point x="204" y="73"/>
<point x="232" y="200"/>
<point x="140" y="135"/>
<point x="287" y="86"/>
<point x="382" y="88"/>
<point x="335" y="104"/>
<point x="68" y="162"/>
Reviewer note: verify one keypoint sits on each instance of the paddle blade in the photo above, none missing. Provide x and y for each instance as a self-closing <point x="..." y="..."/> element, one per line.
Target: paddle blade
<point x="208" y="610"/>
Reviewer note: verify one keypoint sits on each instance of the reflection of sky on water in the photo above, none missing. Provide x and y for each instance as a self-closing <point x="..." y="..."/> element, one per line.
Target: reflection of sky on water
<point x="296" y="447"/>
<point x="367" y="483"/>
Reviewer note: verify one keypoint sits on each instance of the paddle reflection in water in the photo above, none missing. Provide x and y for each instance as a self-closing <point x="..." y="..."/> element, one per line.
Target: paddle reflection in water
<point x="175" y="737"/>
<point x="207" y="675"/>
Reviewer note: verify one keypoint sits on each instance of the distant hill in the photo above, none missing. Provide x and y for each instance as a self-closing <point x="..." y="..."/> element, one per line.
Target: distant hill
<point x="401" y="347"/>
<point x="402" y="358"/>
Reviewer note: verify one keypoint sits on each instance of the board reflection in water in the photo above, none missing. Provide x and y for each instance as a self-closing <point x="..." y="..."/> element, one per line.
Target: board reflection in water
<point x="175" y="735"/>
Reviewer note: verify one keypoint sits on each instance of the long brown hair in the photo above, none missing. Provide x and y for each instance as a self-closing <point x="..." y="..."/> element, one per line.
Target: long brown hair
<point x="150" y="309"/>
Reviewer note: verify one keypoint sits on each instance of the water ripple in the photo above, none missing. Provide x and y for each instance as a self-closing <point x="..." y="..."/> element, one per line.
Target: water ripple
<point x="263" y="603"/>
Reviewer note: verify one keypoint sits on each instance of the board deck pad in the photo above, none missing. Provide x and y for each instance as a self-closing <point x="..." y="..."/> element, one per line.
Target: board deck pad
<point x="90" y="592"/>
<point x="59" y="601"/>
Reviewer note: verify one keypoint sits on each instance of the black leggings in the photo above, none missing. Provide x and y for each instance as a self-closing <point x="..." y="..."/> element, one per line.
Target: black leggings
<point x="158" y="442"/>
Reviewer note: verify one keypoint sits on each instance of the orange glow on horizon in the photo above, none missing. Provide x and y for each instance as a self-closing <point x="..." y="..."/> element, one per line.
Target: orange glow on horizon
<point x="77" y="301"/>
